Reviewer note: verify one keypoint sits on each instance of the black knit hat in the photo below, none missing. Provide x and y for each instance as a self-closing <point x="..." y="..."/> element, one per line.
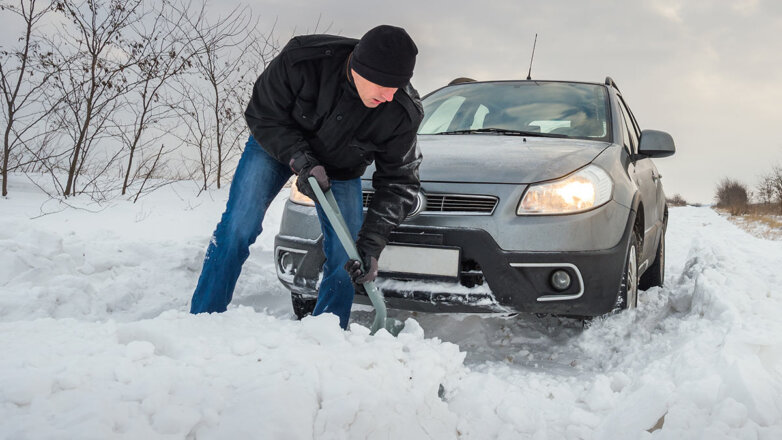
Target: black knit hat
<point x="385" y="56"/>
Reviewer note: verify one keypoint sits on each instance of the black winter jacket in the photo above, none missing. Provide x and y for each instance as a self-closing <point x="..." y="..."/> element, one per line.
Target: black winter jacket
<point x="305" y="101"/>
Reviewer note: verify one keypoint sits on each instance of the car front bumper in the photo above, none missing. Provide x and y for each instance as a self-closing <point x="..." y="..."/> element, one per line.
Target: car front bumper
<point x="491" y="279"/>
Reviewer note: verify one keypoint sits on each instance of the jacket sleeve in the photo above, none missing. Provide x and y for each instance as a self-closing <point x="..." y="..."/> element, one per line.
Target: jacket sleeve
<point x="396" y="183"/>
<point x="268" y="114"/>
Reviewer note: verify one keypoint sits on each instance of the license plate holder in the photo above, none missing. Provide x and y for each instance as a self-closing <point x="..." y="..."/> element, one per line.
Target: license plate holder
<point x="410" y="261"/>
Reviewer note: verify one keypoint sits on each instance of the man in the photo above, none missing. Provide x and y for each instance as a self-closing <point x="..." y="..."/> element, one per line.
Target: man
<point x="325" y="107"/>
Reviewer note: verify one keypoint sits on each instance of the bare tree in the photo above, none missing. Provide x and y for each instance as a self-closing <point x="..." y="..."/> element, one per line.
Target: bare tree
<point x="146" y="170"/>
<point x="225" y="56"/>
<point x="157" y="56"/>
<point x="93" y="78"/>
<point x="777" y="176"/>
<point x="113" y="83"/>
<point x="317" y="29"/>
<point x="22" y="87"/>
<point x="765" y="189"/>
<point x="769" y="189"/>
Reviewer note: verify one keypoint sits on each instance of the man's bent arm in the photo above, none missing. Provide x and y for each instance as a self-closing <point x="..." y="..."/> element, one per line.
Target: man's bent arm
<point x="396" y="184"/>
<point x="268" y="114"/>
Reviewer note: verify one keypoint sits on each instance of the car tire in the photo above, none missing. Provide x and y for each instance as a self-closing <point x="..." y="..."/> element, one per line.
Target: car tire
<point x="628" y="288"/>
<point x="302" y="306"/>
<point x="655" y="274"/>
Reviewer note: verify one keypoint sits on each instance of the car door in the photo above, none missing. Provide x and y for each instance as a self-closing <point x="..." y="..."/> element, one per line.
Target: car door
<point x="644" y="175"/>
<point x="656" y="177"/>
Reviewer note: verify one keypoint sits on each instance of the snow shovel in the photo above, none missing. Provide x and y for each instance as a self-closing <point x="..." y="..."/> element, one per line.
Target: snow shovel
<point x="330" y="207"/>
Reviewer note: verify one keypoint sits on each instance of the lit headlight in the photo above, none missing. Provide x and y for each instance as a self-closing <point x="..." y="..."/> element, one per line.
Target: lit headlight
<point x="581" y="191"/>
<point x="297" y="197"/>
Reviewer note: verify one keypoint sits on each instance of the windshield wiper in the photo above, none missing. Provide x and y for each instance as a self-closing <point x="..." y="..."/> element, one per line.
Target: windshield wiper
<point x="505" y="131"/>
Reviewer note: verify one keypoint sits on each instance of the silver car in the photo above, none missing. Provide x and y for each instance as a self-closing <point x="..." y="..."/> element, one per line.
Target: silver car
<point x="536" y="196"/>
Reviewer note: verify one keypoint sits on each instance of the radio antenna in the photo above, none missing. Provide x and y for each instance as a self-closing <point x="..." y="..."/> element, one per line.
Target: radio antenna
<point x="529" y="73"/>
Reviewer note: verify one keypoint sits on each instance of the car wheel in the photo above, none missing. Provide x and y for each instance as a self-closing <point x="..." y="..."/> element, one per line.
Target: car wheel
<point x="628" y="289"/>
<point x="655" y="274"/>
<point x="302" y="306"/>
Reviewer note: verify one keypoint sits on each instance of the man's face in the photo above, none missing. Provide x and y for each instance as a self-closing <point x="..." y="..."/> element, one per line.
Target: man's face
<point x="371" y="94"/>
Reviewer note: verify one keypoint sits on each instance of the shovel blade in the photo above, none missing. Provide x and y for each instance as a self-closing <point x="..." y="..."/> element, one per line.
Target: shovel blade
<point x="393" y="326"/>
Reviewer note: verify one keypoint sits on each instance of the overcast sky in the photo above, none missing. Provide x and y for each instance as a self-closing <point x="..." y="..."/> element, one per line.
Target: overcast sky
<point x="708" y="72"/>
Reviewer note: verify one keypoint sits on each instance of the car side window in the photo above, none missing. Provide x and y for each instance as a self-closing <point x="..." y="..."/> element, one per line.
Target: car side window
<point x="625" y="135"/>
<point x="635" y="125"/>
<point x="629" y="128"/>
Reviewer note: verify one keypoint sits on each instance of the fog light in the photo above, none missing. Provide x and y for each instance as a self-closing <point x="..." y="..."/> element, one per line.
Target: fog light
<point x="560" y="280"/>
<point x="286" y="263"/>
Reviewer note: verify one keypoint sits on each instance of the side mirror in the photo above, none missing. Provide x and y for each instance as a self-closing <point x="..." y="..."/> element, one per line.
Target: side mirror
<point x="656" y="143"/>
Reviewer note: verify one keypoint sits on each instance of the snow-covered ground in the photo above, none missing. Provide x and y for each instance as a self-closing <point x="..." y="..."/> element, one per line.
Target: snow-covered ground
<point x="96" y="342"/>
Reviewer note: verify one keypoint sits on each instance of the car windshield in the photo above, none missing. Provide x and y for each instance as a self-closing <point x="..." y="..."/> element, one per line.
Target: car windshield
<point x="530" y="108"/>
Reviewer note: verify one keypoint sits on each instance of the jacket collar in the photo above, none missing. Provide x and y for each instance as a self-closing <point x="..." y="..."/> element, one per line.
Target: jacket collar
<point x="349" y="82"/>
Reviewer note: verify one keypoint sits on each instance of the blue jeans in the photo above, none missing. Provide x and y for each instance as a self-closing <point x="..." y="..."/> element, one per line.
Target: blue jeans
<point x="257" y="181"/>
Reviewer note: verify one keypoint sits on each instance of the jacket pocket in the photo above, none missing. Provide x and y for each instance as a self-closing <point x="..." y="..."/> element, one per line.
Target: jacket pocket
<point x="306" y="115"/>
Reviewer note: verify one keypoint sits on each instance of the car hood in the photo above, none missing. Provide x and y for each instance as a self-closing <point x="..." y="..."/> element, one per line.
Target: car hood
<point x="489" y="158"/>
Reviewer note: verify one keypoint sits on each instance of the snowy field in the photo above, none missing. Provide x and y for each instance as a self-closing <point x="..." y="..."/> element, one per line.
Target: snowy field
<point x="97" y="343"/>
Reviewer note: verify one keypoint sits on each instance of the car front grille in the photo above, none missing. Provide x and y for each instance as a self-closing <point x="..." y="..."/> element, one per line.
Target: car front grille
<point x="451" y="203"/>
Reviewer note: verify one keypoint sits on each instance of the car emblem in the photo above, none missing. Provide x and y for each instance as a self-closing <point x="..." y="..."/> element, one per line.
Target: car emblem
<point x="420" y="203"/>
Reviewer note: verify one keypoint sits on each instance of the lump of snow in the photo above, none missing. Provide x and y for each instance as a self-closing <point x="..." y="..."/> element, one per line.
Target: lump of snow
<point x="137" y="350"/>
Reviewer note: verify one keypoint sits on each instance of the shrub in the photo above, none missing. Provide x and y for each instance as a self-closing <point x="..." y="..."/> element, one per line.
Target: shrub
<point x="676" y="200"/>
<point x="732" y="195"/>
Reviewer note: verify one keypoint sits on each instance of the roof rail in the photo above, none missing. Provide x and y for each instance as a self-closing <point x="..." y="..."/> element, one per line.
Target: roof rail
<point x="610" y="82"/>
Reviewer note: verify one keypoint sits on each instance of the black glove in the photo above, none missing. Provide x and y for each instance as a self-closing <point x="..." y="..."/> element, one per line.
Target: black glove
<point x="305" y="165"/>
<point x="369" y="246"/>
<point x="358" y="276"/>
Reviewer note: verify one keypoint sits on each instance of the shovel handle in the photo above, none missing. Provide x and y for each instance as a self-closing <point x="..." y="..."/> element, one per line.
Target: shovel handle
<point x="329" y="204"/>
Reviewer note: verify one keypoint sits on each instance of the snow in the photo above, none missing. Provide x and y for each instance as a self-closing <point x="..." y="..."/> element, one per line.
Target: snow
<point x="478" y="295"/>
<point x="97" y="342"/>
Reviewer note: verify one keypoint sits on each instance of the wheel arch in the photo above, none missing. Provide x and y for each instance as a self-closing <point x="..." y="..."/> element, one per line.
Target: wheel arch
<point x="638" y="222"/>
